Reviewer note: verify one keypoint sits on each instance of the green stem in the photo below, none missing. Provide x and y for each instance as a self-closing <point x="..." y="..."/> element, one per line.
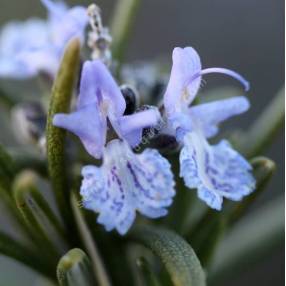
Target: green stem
<point x="60" y="103"/>
<point x="264" y="129"/>
<point x="121" y="25"/>
<point x="178" y="216"/>
<point x="97" y="263"/>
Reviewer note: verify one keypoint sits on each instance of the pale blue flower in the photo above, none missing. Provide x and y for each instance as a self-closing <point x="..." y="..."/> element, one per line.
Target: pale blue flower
<point x="126" y="181"/>
<point x="216" y="171"/>
<point x="27" y="48"/>
<point x="100" y="101"/>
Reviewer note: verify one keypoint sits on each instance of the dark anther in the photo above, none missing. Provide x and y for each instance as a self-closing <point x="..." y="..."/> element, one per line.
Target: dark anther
<point x="131" y="99"/>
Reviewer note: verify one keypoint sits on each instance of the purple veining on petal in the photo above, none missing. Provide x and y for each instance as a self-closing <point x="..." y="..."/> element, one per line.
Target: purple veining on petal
<point x="128" y="183"/>
<point x="217" y="171"/>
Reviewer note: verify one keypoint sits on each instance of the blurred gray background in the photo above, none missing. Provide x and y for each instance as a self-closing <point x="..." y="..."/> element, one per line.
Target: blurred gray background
<point x="245" y="35"/>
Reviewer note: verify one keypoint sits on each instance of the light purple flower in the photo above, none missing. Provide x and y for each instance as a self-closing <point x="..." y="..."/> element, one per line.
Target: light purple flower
<point x="100" y="99"/>
<point x="65" y="23"/>
<point x="126" y="183"/>
<point x="26" y="48"/>
<point x="216" y="171"/>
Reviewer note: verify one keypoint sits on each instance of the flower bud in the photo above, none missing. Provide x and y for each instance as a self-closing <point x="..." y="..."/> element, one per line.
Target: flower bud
<point x="29" y="122"/>
<point x="131" y="98"/>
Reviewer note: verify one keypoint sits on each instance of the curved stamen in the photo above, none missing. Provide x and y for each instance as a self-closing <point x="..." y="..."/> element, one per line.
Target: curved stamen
<point x="228" y="72"/>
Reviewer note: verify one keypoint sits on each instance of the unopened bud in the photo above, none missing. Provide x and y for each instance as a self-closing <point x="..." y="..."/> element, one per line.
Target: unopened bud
<point x="99" y="38"/>
<point x="29" y="122"/>
<point x="131" y="98"/>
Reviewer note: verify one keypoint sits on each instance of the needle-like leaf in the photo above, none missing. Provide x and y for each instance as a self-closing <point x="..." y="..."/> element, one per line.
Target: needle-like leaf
<point x="60" y="102"/>
<point x="74" y="269"/>
<point x="176" y="254"/>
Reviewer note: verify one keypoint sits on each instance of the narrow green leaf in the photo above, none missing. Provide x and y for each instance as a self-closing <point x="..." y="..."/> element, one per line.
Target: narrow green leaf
<point x="264" y="129"/>
<point x="97" y="263"/>
<point x="35" y="212"/>
<point x="149" y="276"/>
<point x="13" y="249"/>
<point x="9" y="202"/>
<point x="74" y="269"/>
<point x="60" y="102"/>
<point x="122" y="21"/>
<point x="263" y="169"/>
<point x="253" y="239"/>
<point x="7" y="171"/>
<point x="176" y="254"/>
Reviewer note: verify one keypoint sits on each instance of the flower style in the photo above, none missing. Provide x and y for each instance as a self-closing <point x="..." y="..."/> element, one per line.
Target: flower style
<point x="26" y="48"/>
<point x="126" y="181"/>
<point x="216" y="171"/>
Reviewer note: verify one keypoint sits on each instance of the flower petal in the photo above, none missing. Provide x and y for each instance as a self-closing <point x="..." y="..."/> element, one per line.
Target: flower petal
<point x="186" y="63"/>
<point x="23" y="55"/>
<point x="65" y="23"/>
<point x="212" y="199"/>
<point x="18" y="42"/>
<point x="97" y="85"/>
<point x="209" y="115"/>
<point x="130" y="127"/>
<point x="216" y="171"/>
<point x="127" y="182"/>
<point x="70" y="25"/>
<point x="88" y="125"/>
